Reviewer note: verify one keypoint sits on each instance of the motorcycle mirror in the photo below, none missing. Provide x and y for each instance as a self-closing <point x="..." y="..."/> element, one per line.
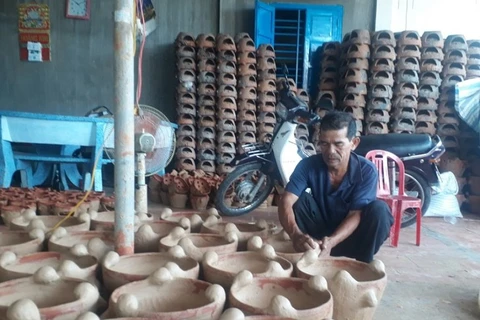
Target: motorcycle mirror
<point x="285" y="70"/>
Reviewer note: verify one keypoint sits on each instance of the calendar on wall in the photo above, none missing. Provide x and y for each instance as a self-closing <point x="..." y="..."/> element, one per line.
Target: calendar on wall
<point x="34" y="32"/>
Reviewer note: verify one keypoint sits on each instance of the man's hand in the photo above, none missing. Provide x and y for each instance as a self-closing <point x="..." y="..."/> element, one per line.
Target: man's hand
<point x="303" y="242"/>
<point x="326" y="245"/>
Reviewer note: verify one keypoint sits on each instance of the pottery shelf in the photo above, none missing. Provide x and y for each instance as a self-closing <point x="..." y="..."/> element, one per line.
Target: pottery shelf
<point x="187" y="264"/>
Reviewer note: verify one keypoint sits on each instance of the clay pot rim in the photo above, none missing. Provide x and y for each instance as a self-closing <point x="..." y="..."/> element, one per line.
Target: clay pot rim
<point x="258" y="282"/>
<point x="79" y="236"/>
<point x="223" y="242"/>
<point x="220" y="226"/>
<point x="90" y="265"/>
<point x="163" y="257"/>
<point x="286" y="265"/>
<point x="23" y="223"/>
<point x="341" y="264"/>
<point x="129" y="287"/>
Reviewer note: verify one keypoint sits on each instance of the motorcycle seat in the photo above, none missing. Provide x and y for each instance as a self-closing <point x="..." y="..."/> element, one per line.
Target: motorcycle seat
<point x="400" y="144"/>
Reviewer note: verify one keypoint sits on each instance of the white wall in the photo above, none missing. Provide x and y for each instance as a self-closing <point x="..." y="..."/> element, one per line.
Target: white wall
<point x="447" y="16"/>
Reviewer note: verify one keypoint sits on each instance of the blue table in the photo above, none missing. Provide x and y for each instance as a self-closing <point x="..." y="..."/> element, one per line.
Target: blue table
<point x="55" y="137"/>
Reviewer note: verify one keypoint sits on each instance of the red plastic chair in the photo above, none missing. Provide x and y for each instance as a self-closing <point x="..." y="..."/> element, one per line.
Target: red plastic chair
<point x="397" y="203"/>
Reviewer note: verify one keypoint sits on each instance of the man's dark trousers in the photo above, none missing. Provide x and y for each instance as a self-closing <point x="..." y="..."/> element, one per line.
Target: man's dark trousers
<point x="374" y="228"/>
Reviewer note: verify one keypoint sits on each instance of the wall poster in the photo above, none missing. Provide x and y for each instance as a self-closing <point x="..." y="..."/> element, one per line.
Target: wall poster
<point x="34" y="32"/>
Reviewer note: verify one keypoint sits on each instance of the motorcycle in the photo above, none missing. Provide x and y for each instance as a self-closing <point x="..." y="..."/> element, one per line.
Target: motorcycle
<point x="264" y="166"/>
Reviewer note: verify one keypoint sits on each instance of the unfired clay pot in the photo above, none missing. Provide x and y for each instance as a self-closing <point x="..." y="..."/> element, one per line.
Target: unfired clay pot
<point x="162" y="296"/>
<point x="147" y="237"/>
<point x="281" y="243"/>
<point x="237" y="314"/>
<point x="196" y="244"/>
<point x="76" y="267"/>
<point x="97" y="243"/>
<point x="196" y="218"/>
<point x="263" y="263"/>
<point x="29" y="220"/>
<point x="119" y="270"/>
<point x="22" y="242"/>
<point x="48" y="295"/>
<point x="243" y="230"/>
<point x="286" y="297"/>
<point x="104" y="221"/>
<point x="357" y="287"/>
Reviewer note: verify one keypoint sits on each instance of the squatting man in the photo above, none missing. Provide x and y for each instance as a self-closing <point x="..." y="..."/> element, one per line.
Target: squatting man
<point x="330" y="199"/>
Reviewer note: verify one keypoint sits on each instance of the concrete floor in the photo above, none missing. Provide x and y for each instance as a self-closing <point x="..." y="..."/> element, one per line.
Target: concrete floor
<point x="438" y="280"/>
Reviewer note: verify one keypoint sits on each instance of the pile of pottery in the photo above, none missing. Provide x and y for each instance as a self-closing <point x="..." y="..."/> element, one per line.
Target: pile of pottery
<point x="430" y="81"/>
<point x="184" y="189"/>
<point x="14" y="201"/>
<point x="185" y="49"/>
<point x="187" y="265"/>
<point x="227" y="95"/>
<point x="267" y="99"/>
<point x="454" y="71"/>
<point x="381" y="82"/>
<point x="355" y="57"/>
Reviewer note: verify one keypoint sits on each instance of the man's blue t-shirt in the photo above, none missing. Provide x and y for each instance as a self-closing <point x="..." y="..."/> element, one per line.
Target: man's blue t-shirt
<point x="358" y="188"/>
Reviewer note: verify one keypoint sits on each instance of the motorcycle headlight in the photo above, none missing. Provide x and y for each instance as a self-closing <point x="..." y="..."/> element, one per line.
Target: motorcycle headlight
<point x="281" y="111"/>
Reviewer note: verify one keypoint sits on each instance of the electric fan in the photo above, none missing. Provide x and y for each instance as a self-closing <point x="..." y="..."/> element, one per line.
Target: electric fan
<point x="154" y="147"/>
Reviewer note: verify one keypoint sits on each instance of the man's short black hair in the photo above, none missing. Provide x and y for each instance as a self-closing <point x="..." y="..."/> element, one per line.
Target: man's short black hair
<point x="337" y="120"/>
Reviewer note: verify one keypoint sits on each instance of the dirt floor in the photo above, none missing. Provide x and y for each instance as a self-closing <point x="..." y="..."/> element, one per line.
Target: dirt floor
<point x="438" y="280"/>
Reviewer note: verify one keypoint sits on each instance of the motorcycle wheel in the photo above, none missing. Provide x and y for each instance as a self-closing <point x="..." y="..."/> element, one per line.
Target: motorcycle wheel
<point x="229" y="182"/>
<point x="416" y="183"/>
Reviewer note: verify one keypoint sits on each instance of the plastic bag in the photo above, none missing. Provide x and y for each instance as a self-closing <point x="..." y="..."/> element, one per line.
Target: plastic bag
<point x="467" y="102"/>
<point x="445" y="203"/>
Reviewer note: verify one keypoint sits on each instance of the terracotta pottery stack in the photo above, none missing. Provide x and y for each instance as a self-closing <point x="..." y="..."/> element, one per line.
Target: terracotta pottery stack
<point x="381" y="82"/>
<point x="247" y="85"/>
<point x="430" y="80"/>
<point x="327" y="86"/>
<point x="405" y="103"/>
<point x="354" y="77"/>
<point x="186" y="101"/>
<point x="328" y="82"/>
<point x="454" y="71"/>
<point x="226" y="103"/>
<point x="193" y="189"/>
<point x="206" y="82"/>
<point x="267" y="99"/>
<point x="473" y="59"/>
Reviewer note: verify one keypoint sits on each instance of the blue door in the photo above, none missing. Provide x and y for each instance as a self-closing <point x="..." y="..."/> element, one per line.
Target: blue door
<point x="297" y="31"/>
<point x="323" y="24"/>
<point x="264" y="23"/>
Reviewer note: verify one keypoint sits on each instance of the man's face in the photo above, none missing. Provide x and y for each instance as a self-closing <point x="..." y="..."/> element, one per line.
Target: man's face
<point x="336" y="147"/>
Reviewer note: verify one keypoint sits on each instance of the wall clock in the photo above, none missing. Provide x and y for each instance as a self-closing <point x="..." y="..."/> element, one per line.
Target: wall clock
<point x="78" y="9"/>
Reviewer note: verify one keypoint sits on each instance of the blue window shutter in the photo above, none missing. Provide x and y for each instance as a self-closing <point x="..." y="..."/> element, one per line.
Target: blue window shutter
<point x="264" y="23"/>
<point x="322" y="25"/>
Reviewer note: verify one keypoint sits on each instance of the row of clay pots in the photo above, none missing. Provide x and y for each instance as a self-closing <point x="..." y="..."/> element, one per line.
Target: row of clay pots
<point x="419" y="69"/>
<point x="214" y="251"/>
<point x="183" y="189"/>
<point x="47" y="202"/>
<point x="234" y="272"/>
